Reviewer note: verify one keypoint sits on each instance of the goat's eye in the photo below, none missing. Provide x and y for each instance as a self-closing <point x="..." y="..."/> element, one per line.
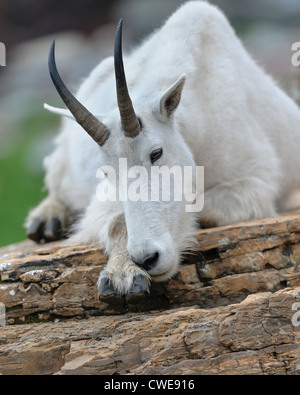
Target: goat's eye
<point x="155" y="155"/>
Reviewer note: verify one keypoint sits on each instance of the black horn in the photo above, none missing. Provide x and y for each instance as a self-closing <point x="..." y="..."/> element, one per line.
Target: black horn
<point x="130" y="122"/>
<point x="96" y="129"/>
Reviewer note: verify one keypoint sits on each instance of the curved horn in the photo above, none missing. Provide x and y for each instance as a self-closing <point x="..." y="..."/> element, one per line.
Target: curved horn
<point x="96" y="129"/>
<point x="130" y="122"/>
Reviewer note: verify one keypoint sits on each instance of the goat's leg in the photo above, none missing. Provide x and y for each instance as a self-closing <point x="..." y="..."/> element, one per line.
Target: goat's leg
<point x="50" y="219"/>
<point x="240" y="200"/>
<point x="121" y="276"/>
<point x="104" y="224"/>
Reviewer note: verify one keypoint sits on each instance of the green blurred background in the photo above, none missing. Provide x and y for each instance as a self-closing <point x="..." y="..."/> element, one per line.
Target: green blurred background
<point x="84" y="31"/>
<point x="20" y="184"/>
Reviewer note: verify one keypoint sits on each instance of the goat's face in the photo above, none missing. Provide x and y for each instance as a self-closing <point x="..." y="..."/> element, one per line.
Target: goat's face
<point x="145" y="135"/>
<point x="158" y="226"/>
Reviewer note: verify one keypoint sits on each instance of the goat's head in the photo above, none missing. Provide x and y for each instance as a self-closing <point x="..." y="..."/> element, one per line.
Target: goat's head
<point x="158" y="231"/>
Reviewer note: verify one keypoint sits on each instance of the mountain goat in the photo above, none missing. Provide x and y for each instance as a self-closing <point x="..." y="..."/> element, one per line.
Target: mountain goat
<point x="192" y="96"/>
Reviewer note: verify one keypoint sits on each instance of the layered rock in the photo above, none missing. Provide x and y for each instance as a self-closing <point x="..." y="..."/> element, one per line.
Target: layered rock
<point x="58" y="281"/>
<point x="232" y="308"/>
<point x="256" y="336"/>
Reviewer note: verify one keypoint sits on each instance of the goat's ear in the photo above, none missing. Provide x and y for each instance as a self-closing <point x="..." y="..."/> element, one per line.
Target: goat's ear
<point x="170" y="99"/>
<point x="59" y="111"/>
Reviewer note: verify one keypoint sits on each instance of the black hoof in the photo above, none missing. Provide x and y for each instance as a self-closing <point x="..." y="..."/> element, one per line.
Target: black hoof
<point x="140" y="285"/>
<point x="107" y="294"/>
<point x="139" y="291"/>
<point x="36" y="230"/>
<point x="53" y="230"/>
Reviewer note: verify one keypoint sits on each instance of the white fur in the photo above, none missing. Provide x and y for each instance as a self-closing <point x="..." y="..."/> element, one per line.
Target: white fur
<point x="233" y="119"/>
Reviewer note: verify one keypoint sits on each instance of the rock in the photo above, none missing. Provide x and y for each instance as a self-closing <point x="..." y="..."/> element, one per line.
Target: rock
<point x="232" y="308"/>
<point x="59" y="280"/>
<point x="256" y="336"/>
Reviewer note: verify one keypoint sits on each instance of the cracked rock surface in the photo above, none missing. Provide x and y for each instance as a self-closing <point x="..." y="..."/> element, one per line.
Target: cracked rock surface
<point x="232" y="309"/>
<point x="254" y="337"/>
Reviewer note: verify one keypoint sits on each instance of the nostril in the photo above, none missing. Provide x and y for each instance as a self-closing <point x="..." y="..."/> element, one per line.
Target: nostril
<point x="151" y="260"/>
<point x="148" y="262"/>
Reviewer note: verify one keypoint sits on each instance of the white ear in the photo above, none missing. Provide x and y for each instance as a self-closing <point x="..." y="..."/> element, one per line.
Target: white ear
<point x="59" y="111"/>
<point x="171" y="98"/>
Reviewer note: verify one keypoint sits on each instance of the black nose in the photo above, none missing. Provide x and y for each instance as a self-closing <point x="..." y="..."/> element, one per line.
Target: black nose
<point x="147" y="262"/>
